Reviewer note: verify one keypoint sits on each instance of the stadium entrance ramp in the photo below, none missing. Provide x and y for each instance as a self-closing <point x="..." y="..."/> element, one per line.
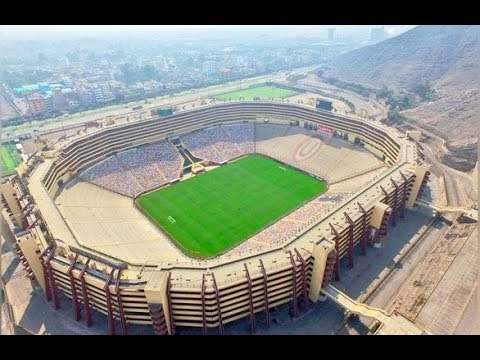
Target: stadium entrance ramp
<point x="391" y="324"/>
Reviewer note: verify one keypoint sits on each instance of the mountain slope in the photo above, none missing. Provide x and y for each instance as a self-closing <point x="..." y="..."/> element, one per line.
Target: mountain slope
<point x="445" y="57"/>
<point x="425" y="53"/>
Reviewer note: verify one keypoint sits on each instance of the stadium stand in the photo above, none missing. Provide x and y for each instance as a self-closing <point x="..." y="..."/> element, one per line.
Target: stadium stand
<point x="167" y="159"/>
<point x="142" y="168"/>
<point x="150" y="166"/>
<point x="307" y="150"/>
<point x="136" y="170"/>
<point x="109" y="174"/>
<point x="242" y="135"/>
<point x="201" y="144"/>
<point x="221" y="143"/>
<point x="278" y="265"/>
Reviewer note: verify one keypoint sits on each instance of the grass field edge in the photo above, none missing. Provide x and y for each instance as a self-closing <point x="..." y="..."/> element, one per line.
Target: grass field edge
<point x="219" y="96"/>
<point x="8" y="149"/>
<point x="188" y="252"/>
<point x="175" y="242"/>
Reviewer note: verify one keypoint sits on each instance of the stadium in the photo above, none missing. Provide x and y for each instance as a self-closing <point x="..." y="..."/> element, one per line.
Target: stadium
<point x="211" y="215"/>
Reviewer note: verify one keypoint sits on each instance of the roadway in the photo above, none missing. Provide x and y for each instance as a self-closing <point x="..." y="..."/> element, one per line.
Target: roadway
<point x="459" y="187"/>
<point x="469" y="213"/>
<point x="123" y="110"/>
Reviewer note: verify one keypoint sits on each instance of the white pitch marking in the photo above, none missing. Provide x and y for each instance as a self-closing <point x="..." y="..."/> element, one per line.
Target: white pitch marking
<point x="171" y="219"/>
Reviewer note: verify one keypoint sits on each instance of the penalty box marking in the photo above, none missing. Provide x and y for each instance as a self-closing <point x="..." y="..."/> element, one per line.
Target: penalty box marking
<point x="171" y="219"/>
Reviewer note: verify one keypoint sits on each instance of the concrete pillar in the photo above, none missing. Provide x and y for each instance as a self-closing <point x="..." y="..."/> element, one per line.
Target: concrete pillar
<point x="320" y="253"/>
<point x="420" y="172"/>
<point x="156" y="293"/>
<point x="378" y="221"/>
<point x="30" y="249"/>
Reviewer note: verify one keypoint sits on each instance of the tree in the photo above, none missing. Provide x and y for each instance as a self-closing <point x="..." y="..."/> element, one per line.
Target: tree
<point x="394" y="117"/>
<point x="384" y="92"/>
<point x="424" y="91"/>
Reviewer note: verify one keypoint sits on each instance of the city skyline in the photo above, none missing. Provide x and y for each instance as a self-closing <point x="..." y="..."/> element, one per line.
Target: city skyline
<point x="36" y="32"/>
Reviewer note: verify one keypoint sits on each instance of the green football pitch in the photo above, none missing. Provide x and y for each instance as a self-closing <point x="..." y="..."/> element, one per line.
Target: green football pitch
<point x="262" y="92"/>
<point x="9" y="159"/>
<point x="210" y="213"/>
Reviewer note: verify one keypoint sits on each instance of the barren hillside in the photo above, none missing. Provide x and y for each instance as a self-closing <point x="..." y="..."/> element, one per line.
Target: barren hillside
<point x="447" y="58"/>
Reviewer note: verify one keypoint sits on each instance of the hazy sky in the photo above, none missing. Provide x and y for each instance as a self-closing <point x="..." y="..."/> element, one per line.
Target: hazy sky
<point x="39" y="32"/>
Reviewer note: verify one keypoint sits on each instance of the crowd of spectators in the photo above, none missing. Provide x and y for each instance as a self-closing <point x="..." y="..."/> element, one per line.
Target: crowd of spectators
<point x="167" y="159"/>
<point x="221" y="143"/>
<point x="109" y="174"/>
<point x="137" y="170"/>
<point x="143" y="168"/>
<point x="242" y="135"/>
<point x="289" y="227"/>
<point x="134" y="171"/>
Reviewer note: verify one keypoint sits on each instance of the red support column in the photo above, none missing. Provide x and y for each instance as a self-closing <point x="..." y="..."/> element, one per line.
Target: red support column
<point x="169" y="299"/>
<point x="110" y="316"/>
<point x="33" y="224"/>
<point x="73" y="288"/>
<point x="86" y="301"/>
<point x="337" y="252"/>
<point x="265" y="292"/>
<point x="158" y="319"/>
<point x="219" y="309"/>
<point x="329" y="268"/>
<point x="53" y="285"/>
<point x="382" y="232"/>
<point x="123" y="320"/>
<point x="294" y="285"/>
<point x="387" y="197"/>
<point x="303" y="268"/>
<point x="25" y="264"/>
<point x="48" y="290"/>
<point x="387" y="202"/>
<point x="351" y="224"/>
<point x="250" y="298"/>
<point x="204" y="320"/>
